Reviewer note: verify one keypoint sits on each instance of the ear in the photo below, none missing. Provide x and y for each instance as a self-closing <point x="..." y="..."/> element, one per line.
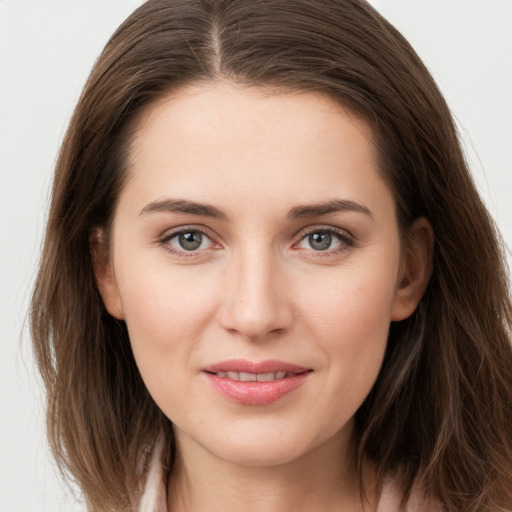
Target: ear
<point x="415" y="269"/>
<point x="104" y="273"/>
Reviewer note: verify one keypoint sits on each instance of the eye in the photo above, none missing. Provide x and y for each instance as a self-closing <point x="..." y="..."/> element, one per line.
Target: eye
<point x="324" y="240"/>
<point x="188" y="240"/>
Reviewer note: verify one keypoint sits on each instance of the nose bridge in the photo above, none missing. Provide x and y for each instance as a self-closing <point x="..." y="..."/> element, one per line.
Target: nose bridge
<point x="256" y="302"/>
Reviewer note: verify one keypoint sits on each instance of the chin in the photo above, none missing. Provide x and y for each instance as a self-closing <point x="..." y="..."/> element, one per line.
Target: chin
<point x="263" y="443"/>
<point x="260" y="453"/>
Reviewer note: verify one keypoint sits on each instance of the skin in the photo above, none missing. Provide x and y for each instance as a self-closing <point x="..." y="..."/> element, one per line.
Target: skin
<point x="258" y="287"/>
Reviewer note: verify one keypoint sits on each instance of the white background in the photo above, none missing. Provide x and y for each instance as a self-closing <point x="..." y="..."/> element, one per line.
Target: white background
<point x="46" y="51"/>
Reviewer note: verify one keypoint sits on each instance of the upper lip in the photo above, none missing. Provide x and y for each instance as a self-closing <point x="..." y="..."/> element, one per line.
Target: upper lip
<point x="242" y="365"/>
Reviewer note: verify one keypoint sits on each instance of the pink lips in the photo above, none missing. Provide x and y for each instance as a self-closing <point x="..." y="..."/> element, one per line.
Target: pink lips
<point x="255" y="392"/>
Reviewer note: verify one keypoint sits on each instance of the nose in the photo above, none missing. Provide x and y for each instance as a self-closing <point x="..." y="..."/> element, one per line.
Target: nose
<point x="256" y="303"/>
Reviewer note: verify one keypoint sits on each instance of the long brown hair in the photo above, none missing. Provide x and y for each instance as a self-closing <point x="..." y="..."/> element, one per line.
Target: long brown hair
<point x="440" y="412"/>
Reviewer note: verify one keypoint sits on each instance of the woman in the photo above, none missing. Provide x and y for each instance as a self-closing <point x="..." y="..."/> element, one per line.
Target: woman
<point x="268" y="280"/>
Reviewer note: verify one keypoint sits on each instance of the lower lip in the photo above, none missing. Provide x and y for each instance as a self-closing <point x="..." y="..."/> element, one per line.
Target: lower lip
<point x="256" y="393"/>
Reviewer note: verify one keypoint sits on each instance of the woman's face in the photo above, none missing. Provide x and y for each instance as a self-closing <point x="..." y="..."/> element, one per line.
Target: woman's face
<point x="256" y="260"/>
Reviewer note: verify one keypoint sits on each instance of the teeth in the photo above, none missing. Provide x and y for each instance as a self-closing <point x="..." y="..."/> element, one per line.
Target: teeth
<point x="265" y="377"/>
<point x="254" y="377"/>
<point x="247" y="377"/>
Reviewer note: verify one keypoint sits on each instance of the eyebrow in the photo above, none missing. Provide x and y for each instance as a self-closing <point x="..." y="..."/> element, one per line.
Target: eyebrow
<point x="298" y="212"/>
<point x="183" y="206"/>
<point x="326" y="208"/>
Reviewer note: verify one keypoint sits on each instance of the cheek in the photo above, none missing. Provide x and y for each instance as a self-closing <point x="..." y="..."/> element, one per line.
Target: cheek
<point x="165" y="312"/>
<point x="354" y="301"/>
<point x="351" y="319"/>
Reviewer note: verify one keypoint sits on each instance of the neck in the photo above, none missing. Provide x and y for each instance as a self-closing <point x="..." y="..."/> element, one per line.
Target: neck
<point x="323" y="479"/>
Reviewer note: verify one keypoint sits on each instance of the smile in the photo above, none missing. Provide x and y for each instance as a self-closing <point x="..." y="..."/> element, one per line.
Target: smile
<point x="254" y="377"/>
<point x="249" y="383"/>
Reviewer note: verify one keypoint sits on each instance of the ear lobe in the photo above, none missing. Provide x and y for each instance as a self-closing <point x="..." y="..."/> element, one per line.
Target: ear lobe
<point x="104" y="273"/>
<point x="415" y="269"/>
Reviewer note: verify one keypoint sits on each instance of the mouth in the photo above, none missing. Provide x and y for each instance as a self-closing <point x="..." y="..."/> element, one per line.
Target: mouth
<point x="249" y="383"/>
<point x="256" y="377"/>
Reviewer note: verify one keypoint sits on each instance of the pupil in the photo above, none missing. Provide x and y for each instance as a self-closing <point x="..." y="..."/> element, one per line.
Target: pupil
<point x="320" y="241"/>
<point x="190" y="240"/>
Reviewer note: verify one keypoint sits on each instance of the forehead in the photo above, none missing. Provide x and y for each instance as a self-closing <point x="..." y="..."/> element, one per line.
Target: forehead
<point x="218" y="139"/>
<point x="248" y="110"/>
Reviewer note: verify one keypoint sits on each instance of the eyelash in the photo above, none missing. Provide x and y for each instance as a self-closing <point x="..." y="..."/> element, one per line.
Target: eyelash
<point x="168" y="236"/>
<point x="346" y="240"/>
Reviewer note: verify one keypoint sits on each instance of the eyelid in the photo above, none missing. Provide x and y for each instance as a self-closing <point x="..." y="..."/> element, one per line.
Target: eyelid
<point x="346" y="238"/>
<point x="169" y="234"/>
